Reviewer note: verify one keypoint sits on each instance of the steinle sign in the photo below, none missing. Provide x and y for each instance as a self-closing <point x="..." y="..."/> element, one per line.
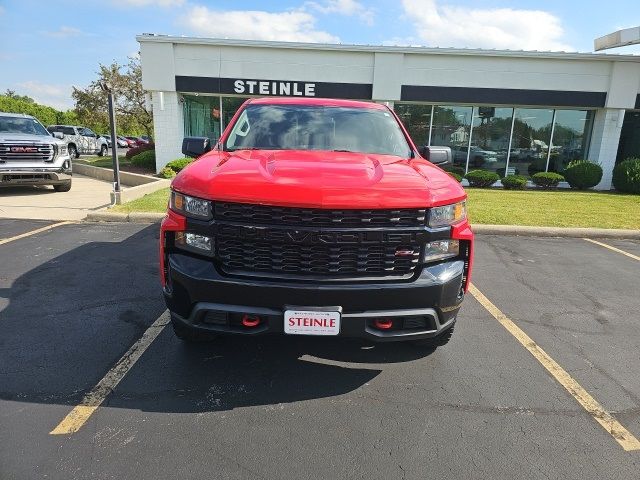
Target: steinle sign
<point x="270" y="87"/>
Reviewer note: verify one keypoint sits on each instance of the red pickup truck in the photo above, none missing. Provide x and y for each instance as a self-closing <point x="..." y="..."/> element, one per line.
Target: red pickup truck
<point x="314" y="217"/>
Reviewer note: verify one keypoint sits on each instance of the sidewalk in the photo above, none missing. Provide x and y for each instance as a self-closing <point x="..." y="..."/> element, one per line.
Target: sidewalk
<point x="42" y="203"/>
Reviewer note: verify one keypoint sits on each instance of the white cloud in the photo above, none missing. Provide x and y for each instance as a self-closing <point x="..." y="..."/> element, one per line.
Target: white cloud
<point x="503" y="28"/>
<point x="56" y="96"/>
<point x="344" y="7"/>
<point x="289" y="26"/>
<point x="64" y="32"/>
<point x="147" y="3"/>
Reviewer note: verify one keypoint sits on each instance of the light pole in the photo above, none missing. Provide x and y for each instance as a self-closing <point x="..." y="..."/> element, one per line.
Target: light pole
<point x="114" y="140"/>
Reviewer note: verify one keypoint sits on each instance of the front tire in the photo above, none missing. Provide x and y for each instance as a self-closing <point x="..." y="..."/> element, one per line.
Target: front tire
<point x="190" y="335"/>
<point x="64" y="187"/>
<point x="103" y="151"/>
<point x="435" y="342"/>
<point x="73" y="151"/>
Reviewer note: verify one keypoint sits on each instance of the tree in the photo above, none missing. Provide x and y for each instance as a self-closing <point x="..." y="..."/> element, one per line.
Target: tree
<point x="129" y="100"/>
<point x="12" y="94"/>
<point x="13" y="103"/>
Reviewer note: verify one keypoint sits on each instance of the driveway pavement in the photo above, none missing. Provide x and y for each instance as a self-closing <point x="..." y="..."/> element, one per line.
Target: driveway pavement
<point x="42" y="203"/>
<point x="75" y="298"/>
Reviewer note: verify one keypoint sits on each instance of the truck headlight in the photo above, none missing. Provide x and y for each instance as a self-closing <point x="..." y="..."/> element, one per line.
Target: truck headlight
<point x="63" y="151"/>
<point x="447" y="214"/>
<point x="441" y="250"/>
<point x="194" y="242"/>
<point x="190" y="206"/>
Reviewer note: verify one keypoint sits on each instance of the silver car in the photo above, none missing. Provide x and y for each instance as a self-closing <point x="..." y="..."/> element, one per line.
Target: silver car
<point x="30" y="155"/>
<point x="81" y="140"/>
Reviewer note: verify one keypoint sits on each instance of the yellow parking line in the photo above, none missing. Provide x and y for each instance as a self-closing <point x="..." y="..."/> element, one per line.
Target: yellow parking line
<point x="92" y="400"/>
<point x="623" y="436"/>
<point x="611" y="247"/>
<point x="33" y="232"/>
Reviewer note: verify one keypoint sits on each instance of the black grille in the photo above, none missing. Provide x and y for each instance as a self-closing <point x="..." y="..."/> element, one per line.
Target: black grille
<point x="268" y="215"/>
<point x="320" y="259"/>
<point x="34" y="152"/>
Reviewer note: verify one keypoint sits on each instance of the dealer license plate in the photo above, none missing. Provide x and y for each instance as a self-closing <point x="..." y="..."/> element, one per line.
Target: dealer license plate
<point x="311" y="322"/>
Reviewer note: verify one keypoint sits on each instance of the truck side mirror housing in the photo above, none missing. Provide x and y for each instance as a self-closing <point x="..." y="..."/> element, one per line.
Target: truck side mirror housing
<point x="195" y="146"/>
<point x="437" y="155"/>
<point x="58" y="135"/>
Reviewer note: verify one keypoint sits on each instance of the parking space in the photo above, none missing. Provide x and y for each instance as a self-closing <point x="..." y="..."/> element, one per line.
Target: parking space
<point x="75" y="298"/>
<point x="43" y="203"/>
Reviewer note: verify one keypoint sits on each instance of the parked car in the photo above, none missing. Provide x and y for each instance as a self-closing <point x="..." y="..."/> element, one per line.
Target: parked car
<point x="477" y="156"/>
<point x="107" y="138"/>
<point x="144" y="139"/>
<point x="122" y="142"/>
<point x="314" y="217"/>
<point x="81" y="140"/>
<point x="132" y="141"/>
<point x="30" y="155"/>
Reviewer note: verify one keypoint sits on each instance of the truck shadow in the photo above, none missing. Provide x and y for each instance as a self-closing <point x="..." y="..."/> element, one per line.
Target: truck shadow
<point x="68" y="320"/>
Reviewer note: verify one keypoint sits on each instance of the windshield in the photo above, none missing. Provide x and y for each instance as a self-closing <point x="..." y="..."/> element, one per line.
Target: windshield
<point x="307" y="127"/>
<point x="23" y="125"/>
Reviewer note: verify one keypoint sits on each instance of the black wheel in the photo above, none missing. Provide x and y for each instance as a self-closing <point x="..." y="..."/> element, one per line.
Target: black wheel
<point x="73" y="151"/>
<point x="103" y="151"/>
<point x="190" y="335"/>
<point x="64" y="187"/>
<point x="436" y="342"/>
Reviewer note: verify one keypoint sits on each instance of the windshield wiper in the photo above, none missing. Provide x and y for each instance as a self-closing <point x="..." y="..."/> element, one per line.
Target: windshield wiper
<point x="343" y="150"/>
<point x="244" y="148"/>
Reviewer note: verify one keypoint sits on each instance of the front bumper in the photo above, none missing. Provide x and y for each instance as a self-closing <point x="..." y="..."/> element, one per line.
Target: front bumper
<point x="199" y="297"/>
<point x="35" y="175"/>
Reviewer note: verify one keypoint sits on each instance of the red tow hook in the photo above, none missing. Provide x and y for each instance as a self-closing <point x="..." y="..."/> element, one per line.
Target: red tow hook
<point x="384" y="324"/>
<point x="250" y="321"/>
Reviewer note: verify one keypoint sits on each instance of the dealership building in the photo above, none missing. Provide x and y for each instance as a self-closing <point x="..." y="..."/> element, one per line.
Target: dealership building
<point x="513" y="112"/>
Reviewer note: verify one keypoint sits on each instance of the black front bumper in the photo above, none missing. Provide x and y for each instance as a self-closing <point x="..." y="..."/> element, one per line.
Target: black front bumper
<point x="201" y="298"/>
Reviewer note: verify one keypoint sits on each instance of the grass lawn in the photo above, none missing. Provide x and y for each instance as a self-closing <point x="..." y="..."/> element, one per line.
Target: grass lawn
<point x="105" y="162"/>
<point x="563" y="208"/>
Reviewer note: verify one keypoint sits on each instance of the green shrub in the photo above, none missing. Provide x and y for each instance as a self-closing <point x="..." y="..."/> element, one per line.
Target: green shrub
<point x="514" y="182"/>
<point x="179" y="164"/>
<point x="167" y="172"/>
<point x="583" y="174"/>
<point x="133" y="151"/>
<point x="457" y="170"/>
<point x="146" y="159"/>
<point x="481" y="178"/>
<point x="456" y="176"/>
<point x="626" y="176"/>
<point x="547" y="179"/>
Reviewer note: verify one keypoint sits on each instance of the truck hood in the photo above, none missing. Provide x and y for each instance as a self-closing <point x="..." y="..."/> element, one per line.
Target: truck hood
<point x="320" y="179"/>
<point x="24" y="137"/>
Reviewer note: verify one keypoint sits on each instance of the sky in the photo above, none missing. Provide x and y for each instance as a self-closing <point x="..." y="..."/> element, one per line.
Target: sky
<point x="46" y="47"/>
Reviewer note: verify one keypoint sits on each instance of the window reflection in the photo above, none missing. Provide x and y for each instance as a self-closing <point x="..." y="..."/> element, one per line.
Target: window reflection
<point x="570" y="138"/>
<point x="451" y="126"/>
<point x="490" y="139"/>
<point x="202" y="117"/>
<point x="530" y="141"/>
<point x="417" y="120"/>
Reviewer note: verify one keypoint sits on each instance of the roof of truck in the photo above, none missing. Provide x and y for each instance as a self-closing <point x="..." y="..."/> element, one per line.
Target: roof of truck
<point x="323" y="102"/>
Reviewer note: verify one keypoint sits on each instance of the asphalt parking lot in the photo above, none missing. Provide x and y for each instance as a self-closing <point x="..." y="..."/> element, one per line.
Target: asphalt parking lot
<point x="74" y="298"/>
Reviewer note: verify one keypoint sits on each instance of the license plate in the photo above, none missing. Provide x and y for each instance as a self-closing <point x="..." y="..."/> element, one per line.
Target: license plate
<point x="311" y="322"/>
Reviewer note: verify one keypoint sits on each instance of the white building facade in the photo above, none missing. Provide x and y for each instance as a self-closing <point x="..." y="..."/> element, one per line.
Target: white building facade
<point x="505" y="111"/>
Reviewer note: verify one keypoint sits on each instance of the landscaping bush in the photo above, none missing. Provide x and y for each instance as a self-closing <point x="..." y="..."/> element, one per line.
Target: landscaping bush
<point x="179" y="164"/>
<point x="167" y="172"/>
<point x="132" y="152"/>
<point x="626" y="176"/>
<point x="481" y="178"/>
<point x="457" y="170"/>
<point x="547" y="179"/>
<point x="583" y="174"/>
<point x="514" y="182"/>
<point x="146" y="159"/>
<point x="456" y="176"/>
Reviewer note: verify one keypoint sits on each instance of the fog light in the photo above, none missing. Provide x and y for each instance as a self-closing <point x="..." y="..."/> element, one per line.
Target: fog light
<point x="440" y="250"/>
<point x="250" y="321"/>
<point x="194" y="242"/>
<point x="383" y="324"/>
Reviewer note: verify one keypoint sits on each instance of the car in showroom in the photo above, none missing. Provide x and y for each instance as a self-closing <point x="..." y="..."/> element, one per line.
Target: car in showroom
<point x="81" y="140"/>
<point x="478" y="157"/>
<point x="30" y="155"/>
<point x="315" y="217"/>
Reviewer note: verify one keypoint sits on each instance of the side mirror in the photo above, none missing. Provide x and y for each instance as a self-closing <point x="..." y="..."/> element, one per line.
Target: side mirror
<point x="437" y="155"/>
<point x="58" y="135"/>
<point x="195" y="146"/>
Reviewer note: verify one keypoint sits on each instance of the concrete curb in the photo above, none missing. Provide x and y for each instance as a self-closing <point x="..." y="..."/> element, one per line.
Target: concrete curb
<point x="525" y="231"/>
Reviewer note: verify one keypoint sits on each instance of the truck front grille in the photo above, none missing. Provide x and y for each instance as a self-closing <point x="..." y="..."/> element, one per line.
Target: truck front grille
<point x="28" y="152"/>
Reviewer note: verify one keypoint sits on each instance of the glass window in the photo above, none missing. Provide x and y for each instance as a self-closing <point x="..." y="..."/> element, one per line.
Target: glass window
<point x="530" y="140"/>
<point x="629" y="145"/>
<point x="571" y="135"/>
<point x="306" y="127"/>
<point x="230" y="106"/>
<point x="22" y="125"/>
<point x="417" y="120"/>
<point x="451" y="126"/>
<point x="202" y="117"/>
<point x="490" y="140"/>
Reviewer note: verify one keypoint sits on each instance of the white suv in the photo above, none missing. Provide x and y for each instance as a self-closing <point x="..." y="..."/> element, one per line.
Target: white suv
<point x="29" y="155"/>
<point x="81" y="140"/>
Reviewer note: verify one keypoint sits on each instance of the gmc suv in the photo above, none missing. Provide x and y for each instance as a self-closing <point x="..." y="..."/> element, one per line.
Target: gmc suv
<point x="314" y="217"/>
<point x="29" y="155"/>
